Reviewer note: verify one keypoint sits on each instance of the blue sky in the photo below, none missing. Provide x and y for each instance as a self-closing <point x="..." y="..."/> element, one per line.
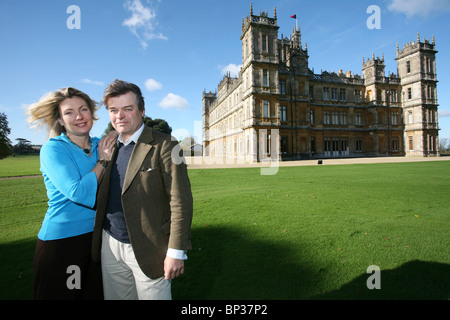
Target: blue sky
<point x="175" y="49"/>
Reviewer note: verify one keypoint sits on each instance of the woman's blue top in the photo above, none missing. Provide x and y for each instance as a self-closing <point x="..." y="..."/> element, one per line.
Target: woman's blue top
<point x="71" y="188"/>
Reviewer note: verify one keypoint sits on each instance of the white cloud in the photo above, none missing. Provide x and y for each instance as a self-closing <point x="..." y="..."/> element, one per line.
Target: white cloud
<point x="232" y="68"/>
<point x="444" y="113"/>
<point x="142" y="22"/>
<point x="89" y="81"/>
<point x="153" y="85"/>
<point x="419" y="7"/>
<point x="173" y="101"/>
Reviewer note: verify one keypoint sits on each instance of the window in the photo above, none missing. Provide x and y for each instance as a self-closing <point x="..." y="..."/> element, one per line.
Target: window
<point x="358" y="121"/>
<point x="342" y="95"/>
<point x="284" y="144"/>
<point x="343" y="117"/>
<point x="311" y="93"/>
<point x="282" y="86"/>
<point x="410" y="117"/>
<point x="411" y="144"/>
<point x="393" y="96"/>
<point x="313" y="145"/>
<point x="265" y="81"/>
<point x="359" y="145"/>
<point x="431" y="144"/>
<point x="264" y="43"/>
<point x="327" y="145"/>
<point x="344" y="147"/>
<point x="408" y="66"/>
<point x="311" y="116"/>
<point x="334" y="94"/>
<point x="335" y="118"/>
<point x="409" y="94"/>
<point x="326" y="94"/>
<point x="395" y="144"/>
<point x="357" y="95"/>
<point x="326" y="117"/>
<point x="394" y="118"/>
<point x="266" y="109"/>
<point x="283" y="113"/>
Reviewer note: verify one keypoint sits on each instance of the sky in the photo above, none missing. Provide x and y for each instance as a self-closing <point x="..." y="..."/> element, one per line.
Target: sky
<point x="175" y="49"/>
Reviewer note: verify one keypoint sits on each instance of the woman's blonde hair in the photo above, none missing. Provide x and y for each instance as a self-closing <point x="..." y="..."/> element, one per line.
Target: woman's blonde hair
<point x="45" y="112"/>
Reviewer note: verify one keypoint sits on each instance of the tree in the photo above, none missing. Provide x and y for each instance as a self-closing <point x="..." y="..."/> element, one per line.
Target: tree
<point x="157" y="125"/>
<point x="5" y="143"/>
<point x="23" y="146"/>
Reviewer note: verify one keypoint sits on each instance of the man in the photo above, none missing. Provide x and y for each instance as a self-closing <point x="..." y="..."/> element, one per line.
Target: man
<point x="144" y="205"/>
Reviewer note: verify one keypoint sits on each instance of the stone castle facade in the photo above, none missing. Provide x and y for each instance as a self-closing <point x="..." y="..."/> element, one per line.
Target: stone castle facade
<point x="278" y="107"/>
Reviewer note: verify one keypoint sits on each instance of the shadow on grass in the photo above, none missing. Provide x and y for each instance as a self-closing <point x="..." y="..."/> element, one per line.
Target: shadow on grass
<point x="226" y="263"/>
<point x="414" y="280"/>
<point x="16" y="276"/>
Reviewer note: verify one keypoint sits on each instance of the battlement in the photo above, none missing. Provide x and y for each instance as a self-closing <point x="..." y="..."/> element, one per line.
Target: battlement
<point x="261" y="19"/>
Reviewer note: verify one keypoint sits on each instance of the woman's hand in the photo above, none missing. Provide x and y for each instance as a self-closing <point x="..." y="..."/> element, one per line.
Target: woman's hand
<point x="106" y="145"/>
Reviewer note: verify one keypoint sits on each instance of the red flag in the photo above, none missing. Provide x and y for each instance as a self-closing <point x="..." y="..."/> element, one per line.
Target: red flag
<point x="294" y="16"/>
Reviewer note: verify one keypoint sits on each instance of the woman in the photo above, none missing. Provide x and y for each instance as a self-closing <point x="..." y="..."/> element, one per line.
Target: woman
<point x="72" y="164"/>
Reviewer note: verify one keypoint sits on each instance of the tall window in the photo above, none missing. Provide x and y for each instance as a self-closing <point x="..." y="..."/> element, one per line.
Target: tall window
<point x="358" y="121"/>
<point x="342" y="95"/>
<point x="359" y="145"/>
<point x="410" y="117"/>
<point x="264" y="43"/>
<point x="409" y="94"/>
<point x="408" y="66"/>
<point x="394" y="118"/>
<point x="284" y="144"/>
<point x="335" y="118"/>
<point x="411" y="143"/>
<point x="313" y="145"/>
<point x="395" y="144"/>
<point x="326" y="117"/>
<point x="265" y="78"/>
<point x="311" y="116"/>
<point x="343" y="117"/>
<point x="393" y="96"/>
<point x="282" y="86"/>
<point x="283" y="113"/>
<point x="357" y="95"/>
<point x="334" y="94"/>
<point x="266" y="109"/>
<point x="326" y="94"/>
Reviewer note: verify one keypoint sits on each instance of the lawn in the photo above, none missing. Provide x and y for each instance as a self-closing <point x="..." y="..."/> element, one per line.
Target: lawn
<point x="304" y="233"/>
<point x="20" y="165"/>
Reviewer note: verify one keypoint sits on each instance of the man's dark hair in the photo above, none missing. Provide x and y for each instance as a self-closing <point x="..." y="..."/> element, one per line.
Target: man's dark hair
<point x="120" y="87"/>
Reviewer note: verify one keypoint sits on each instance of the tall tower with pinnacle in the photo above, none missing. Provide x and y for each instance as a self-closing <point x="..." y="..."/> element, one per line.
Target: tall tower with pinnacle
<point x="416" y="64"/>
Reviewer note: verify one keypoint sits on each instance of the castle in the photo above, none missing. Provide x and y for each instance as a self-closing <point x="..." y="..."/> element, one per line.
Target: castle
<point x="278" y="107"/>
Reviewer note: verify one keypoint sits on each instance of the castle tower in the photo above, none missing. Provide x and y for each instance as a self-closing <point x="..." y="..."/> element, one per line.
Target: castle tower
<point x="416" y="64"/>
<point x="259" y="74"/>
<point x="209" y="100"/>
<point x="373" y="73"/>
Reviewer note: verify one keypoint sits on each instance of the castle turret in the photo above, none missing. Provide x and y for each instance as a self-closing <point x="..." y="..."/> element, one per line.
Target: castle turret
<point x="416" y="64"/>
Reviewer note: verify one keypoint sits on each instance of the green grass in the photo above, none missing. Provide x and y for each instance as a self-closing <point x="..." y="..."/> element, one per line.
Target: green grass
<point x="304" y="233"/>
<point x="20" y="166"/>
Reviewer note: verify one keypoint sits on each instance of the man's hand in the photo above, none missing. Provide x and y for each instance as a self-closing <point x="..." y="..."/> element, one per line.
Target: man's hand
<point x="173" y="268"/>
